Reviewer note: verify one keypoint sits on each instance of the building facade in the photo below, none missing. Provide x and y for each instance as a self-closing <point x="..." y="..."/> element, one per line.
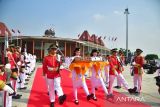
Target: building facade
<point x="38" y="45"/>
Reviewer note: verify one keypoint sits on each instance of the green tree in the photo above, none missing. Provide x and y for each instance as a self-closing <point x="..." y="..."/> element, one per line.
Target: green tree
<point x="151" y="56"/>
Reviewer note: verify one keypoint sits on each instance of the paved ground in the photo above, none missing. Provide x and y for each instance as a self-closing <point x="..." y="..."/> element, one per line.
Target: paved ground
<point x="149" y="94"/>
<point x="25" y="93"/>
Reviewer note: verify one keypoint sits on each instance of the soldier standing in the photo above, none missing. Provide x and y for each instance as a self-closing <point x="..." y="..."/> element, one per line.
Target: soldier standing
<point x="138" y="71"/>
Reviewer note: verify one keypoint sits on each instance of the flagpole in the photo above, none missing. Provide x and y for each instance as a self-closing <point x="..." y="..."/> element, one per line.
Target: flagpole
<point x="17" y="38"/>
<point x="6" y="45"/>
<point x="11" y="38"/>
<point x="126" y="12"/>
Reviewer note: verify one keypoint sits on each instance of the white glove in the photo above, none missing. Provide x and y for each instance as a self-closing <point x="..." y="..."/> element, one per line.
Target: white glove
<point x="8" y="66"/>
<point x="50" y="68"/>
<point x="133" y="63"/>
<point x="116" y="73"/>
<point x="8" y="89"/>
<point x="19" y="63"/>
<point x="62" y="67"/>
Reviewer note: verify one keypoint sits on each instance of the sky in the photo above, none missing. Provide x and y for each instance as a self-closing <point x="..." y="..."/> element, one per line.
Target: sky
<point x="101" y="17"/>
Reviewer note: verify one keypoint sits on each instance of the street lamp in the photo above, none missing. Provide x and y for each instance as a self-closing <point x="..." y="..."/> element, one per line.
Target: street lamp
<point x="126" y="12"/>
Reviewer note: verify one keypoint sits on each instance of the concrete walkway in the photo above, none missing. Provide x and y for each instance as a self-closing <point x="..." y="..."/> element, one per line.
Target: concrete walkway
<point x="149" y="94"/>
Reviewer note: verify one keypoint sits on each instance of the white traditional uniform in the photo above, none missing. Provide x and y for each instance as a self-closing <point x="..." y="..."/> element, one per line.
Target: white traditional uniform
<point x="97" y="81"/>
<point x="106" y="70"/>
<point x="78" y="81"/>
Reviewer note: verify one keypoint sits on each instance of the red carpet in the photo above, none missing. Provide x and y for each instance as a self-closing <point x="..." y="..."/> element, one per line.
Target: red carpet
<point x="39" y="98"/>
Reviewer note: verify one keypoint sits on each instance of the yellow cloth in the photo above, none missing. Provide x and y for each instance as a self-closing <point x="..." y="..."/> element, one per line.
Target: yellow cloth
<point x="140" y="71"/>
<point x="99" y="65"/>
<point x="80" y="67"/>
<point x="2" y="84"/>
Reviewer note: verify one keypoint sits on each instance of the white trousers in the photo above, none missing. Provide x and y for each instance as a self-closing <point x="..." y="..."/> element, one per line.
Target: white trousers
<point x="14" y="84"/>
<point x="6" y="99"/>
<point x="54" y="84"/>
<point x="97" y="81"/>
<point x="107" y="74"/>
<point x="137" y="82"/>
<point x="22" y="78"/>
<point x="121" y="79"/>
<point x="77" y="83"/>
<point x="46" y="80"/>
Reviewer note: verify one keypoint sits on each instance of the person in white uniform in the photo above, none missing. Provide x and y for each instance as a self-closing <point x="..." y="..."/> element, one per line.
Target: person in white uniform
<point x="78" y="79"/>
<point x="96" y="78"/>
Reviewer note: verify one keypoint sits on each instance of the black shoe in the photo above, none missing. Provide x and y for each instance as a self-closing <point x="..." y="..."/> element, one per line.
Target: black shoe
<point x="130" y="91"/>
<point x="13" y="94"/>
<point x="26" y="79"/>
<point x="25" y="83"/>
<point x="24" y="88"/>
<point x="110" y="96"/>
<point x="16" y="97"/>
<point x="93" y="97"/>
<point x="76" y="102"/>
<point x="55" y="92"/>
<point x="62" y="99"/>
<point x="89" y="97"/>
<point x="19" y="95"/>
<point x="134" y="89"/>
<point x="118" y="87"/>
<point x="52" y="104"/>
<point x="137" y="93"/>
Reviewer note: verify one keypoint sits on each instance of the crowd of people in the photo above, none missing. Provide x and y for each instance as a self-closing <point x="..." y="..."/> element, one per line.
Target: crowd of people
<point x="19" y="65"/>
<point x="90" y="67"/>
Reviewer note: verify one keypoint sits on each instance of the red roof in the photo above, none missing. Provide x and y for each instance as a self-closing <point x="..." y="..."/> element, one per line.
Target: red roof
<point x="100" y="41"/>
<point x="85" y="36"/>
<point x="95" y="39"/>
<point x="4" y="28"/>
